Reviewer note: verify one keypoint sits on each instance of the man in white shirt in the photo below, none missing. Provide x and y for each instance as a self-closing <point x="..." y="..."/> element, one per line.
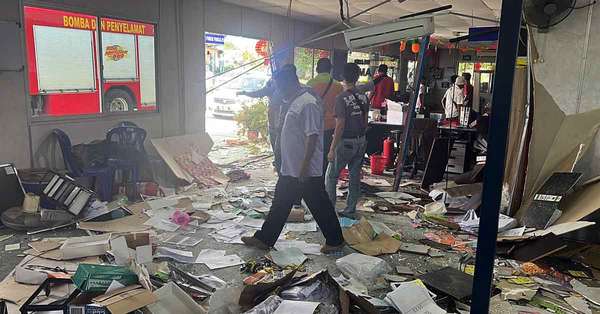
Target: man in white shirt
<point x="454" y="98"/>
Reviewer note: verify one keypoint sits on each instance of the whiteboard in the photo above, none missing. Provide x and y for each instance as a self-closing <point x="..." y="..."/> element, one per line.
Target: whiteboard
<point x="147" y="70"/>
<point x="121" y="66"/>
<point x="64" y="59"/>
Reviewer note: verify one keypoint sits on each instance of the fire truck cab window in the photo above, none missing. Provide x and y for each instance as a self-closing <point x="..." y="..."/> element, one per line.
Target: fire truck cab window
<point x="81" y="64"/>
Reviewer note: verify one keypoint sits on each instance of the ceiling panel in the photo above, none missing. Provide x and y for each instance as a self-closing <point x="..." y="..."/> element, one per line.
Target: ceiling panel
<point x="327" y="11"/>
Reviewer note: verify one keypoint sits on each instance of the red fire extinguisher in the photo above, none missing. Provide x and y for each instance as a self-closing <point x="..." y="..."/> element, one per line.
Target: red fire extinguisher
<point x="388" y="151"/>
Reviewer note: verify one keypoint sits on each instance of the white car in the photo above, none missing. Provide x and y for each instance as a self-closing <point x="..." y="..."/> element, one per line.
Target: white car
<point x="225" y="101"/>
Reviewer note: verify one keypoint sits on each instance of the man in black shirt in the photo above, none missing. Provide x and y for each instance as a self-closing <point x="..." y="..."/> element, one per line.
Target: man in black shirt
<point x="349" y="143"/>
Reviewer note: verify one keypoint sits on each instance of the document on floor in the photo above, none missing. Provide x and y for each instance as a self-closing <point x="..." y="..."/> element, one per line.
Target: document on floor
<point x="216" y="259"/>
<point x="252" y="222"/>
<point x="302" y="226"/>
<point x="297" y="307"/>
<point x="178" y="239"/>
<point x="177" y="255"/>
<point x="288" y="257"/>
<point x="413" y="298"/>
<point x="305" y="247"/>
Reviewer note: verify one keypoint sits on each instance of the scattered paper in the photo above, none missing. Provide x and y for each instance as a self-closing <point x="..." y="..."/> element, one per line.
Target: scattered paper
<point x="412" y="298"/>
<point x="160" y="222"/>
<point x="516" y="232"/>
<point x="252" y="222"/>
<point x="181" y="240"/>
<point x="302" y="227"/>
<point x="224" y="261"/>
<point x="397" y="195"/>
<point x="435" y="208"/>
<point x="209" y="254"/>
<point x="177" y="255"/>
<point x="133" y="223"/>
<point x="114" y="285"/>
<point x="592" y="294"/>
<point x="297" y="307"/>
<point x="376" y="182"/>
<point x="304" y="247"/>
<point x="215" y="259"/>
<point x="579" y="304"/>
<point x="12" y="247"/>
<point x="288" y="257"/>
<point x="6" y="237"/>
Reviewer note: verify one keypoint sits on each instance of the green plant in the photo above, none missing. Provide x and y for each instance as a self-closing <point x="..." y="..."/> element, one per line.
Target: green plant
<point x="253" y="117"/>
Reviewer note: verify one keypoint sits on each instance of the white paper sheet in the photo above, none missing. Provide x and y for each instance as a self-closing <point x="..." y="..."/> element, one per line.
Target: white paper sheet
<point x="304" y="247"/>
<point x="252" y="222"/>
<point x="215" y="259"/>
<point x="209" y="254"/>
<point x="296" y="307"/>
<point x="413" y="298"/>
<point x="178" y="255"/>
<point x="302" y="226"/>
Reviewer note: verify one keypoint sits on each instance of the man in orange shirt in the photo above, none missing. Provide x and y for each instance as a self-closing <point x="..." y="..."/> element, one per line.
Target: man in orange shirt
<point x="325" y="86"/>
<point x="384" y="88"/>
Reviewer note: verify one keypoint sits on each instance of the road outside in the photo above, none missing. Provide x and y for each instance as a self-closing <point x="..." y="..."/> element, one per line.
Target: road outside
<point x="220" y="128"/>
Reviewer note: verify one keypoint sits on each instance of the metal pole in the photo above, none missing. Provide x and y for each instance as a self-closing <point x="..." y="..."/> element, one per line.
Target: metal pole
<point x="411" y="112"/>
<point x="510" y="26"/>
<point x="474" y="17"/>
<point x="234" y="78"/>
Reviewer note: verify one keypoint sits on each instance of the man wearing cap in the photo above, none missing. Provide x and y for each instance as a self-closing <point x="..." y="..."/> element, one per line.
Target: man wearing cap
<point x="301" y="167"/>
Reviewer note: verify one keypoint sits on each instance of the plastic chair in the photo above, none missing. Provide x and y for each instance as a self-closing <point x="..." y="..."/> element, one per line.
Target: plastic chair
<point x="130" y="140"/>
<point x="126" y="124"/>
<point x="103" y="176"/>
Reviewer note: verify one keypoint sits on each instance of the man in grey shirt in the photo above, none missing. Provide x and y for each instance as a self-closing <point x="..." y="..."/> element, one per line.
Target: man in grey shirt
<point x="301" y="167"/>
<point x="349" y="143"/>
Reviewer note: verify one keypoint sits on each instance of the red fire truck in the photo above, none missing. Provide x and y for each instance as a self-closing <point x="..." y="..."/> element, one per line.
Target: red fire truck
<point x="82" y="64"/>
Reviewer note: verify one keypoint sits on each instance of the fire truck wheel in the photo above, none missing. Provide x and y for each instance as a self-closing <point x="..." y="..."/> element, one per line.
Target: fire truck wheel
<point x="117" y="100"/>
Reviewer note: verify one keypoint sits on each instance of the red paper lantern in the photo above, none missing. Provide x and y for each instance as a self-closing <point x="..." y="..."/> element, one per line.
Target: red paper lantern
<point x="477" y="66"/>
<point x="402" y="46"/>
<point x="415" y="47"/>
<point x="262" y="49"/>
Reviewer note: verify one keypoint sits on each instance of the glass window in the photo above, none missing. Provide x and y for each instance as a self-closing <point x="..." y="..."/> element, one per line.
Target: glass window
<point x="65" y="52"/>
<point x="305" y="60"/>
<point x="233" y="64"/>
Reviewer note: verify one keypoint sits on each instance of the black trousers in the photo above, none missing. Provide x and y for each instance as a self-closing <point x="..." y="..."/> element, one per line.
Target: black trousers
<point x="327" y="140"/>
<point x="313" y="191"/>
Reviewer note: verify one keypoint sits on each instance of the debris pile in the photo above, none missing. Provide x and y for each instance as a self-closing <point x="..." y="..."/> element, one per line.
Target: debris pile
<point x="408" y="251"/>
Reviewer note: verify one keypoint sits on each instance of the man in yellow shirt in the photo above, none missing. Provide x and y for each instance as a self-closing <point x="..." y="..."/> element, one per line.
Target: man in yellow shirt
<point x="327" y="88"/>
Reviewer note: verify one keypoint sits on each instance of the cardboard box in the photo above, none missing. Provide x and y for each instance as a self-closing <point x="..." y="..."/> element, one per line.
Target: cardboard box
<point x="125" y="300"/>
<point x="97" y="278"/>
<point x="85" y="246"/>
<point x="136" y="247"/>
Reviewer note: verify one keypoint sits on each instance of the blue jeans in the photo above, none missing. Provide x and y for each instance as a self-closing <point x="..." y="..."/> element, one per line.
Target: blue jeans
<point x="350" y="152"/>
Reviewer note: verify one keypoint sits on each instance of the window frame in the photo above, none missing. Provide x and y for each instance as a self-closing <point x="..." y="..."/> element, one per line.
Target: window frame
<point x="98" y="14"/>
